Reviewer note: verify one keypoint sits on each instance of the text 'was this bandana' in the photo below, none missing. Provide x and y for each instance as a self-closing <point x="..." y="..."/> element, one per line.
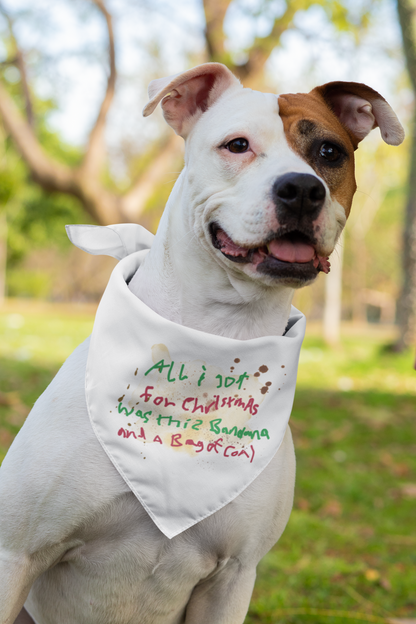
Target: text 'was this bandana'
<point x="188" y="419"/>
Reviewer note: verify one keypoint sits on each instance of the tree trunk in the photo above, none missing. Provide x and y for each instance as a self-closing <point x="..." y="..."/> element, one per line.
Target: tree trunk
<point x="333" y="296"/>
<point x="3" y="254"/>
<point x="406" y="305"/>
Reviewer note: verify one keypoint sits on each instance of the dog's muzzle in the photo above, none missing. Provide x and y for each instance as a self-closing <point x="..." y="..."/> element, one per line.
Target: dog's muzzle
<point x="291" y="252"/>
<point x="299" y="196"/>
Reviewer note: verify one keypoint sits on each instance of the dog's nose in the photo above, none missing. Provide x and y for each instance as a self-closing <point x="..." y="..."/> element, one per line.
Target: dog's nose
<point x="300" y="193"/>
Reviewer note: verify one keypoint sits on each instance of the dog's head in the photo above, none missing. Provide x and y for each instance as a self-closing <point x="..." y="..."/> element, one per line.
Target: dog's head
<point x="269" y="179"/>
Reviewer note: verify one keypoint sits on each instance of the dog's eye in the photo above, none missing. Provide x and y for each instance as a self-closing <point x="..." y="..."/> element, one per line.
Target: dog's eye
<point x="330" y="152"/>
<point x="238" y="146"/>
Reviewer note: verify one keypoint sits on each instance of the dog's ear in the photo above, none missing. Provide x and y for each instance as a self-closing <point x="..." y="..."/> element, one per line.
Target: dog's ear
<point x="187" y="95"/>
<point x="360" y="109"/>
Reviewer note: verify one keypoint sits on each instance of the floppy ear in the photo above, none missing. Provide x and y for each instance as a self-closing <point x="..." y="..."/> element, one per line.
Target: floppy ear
<point x="360" y="109"/>
<point x="187" y="95"/>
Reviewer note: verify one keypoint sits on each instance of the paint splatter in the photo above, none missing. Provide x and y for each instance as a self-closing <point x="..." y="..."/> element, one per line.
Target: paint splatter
<point x="264" y="390"/>
<point x="237" y="360"/>
<point x="121" y="398"/>
<point x="263" y="369"/>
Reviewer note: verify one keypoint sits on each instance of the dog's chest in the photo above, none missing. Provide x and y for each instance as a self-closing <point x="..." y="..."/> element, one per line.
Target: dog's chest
<point x="122" y="570"/>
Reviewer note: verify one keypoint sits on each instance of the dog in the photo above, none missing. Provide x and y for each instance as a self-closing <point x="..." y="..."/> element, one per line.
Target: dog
<point x="265" y="192"/>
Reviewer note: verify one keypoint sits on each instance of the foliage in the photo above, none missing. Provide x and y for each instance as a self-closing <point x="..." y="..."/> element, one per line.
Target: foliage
<point x="349" y="545"/>
<point x="36" y="219"/>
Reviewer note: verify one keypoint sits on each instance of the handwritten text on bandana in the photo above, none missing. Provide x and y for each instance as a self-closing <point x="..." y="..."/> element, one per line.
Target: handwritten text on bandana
<point x="188" y="419"/>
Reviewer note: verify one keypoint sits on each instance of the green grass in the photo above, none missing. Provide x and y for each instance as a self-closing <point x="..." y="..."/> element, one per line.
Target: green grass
<point x="349" y="550"/>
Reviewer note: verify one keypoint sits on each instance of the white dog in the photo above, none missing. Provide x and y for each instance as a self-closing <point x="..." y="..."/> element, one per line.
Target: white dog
<point x="264" y="195"/>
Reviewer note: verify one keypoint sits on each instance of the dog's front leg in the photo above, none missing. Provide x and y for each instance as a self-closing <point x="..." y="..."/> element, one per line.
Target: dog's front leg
<point x="16" y="578"/>
<point x="224" y="598"/>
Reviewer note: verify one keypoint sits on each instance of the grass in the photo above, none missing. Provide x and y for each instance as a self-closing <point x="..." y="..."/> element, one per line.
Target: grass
<point x="349" y="551"/>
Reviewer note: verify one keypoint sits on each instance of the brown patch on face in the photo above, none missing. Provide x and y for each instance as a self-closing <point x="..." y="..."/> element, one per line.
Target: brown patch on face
<point x="308" y="123"/>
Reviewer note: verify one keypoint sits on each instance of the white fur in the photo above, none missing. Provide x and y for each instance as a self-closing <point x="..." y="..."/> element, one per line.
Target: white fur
<point x="71" y="531"/>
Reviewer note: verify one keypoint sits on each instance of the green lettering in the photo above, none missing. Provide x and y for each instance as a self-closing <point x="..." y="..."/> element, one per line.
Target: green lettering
<point x="241" y="433"/>
<point x="251" y="434"/>
<point x="214" y="425"/>
<point x="122" y="409"/>
<point x="159" y="366"/>
<point x="181" y="378"/>
<point x="140" y="414"/>
<point x="232" y="431"/>
<point x="241" y="380"/>
<point x="170" y="372"/>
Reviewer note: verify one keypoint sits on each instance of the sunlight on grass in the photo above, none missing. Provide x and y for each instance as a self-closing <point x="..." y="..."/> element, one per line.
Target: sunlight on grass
<point x="349" y="550"/>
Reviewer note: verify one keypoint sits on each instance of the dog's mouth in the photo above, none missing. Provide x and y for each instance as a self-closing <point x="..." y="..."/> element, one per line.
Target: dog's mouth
<point x="289" y="254"/>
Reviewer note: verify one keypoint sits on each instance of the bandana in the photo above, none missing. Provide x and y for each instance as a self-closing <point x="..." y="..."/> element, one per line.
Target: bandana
<point x="188" y="419"/>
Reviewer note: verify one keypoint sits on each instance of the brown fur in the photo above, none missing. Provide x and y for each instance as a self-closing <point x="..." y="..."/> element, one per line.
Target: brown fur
<point x="307" y="119"/>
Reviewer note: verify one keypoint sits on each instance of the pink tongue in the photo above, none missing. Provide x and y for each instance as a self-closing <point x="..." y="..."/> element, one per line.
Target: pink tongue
<point x="291" y="252"/>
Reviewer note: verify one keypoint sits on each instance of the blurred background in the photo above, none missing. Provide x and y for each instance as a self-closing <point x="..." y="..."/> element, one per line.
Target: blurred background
<point x="74" y="148"/>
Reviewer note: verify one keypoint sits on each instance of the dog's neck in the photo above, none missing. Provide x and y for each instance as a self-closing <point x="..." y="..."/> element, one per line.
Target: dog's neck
<point x="182" y="282"/>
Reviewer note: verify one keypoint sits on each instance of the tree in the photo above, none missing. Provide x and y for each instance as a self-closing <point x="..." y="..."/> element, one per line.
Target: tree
<point x="85" y="180"/>
<point x="407" y="301"/>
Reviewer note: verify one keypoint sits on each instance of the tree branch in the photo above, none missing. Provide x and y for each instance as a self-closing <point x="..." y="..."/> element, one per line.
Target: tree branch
<point x="95" y="151"/>
<point x="20" y="63"/>
<point x="102" y="205"/>
<point x="51" y="175"/>
<point x="215" y="11"/>
<point x="406" y="11"/>
<point x="134" y="201"/>
<point x="264" y="46"/>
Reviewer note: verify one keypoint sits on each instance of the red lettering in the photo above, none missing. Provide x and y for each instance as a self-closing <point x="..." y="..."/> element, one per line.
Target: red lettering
<point x="147" y="394"/>
<point x="167" y="403"/>
<point x="188" y="400"/>
<point x="213" y="403"/>
<point x="175" y="439"/>
<point x="251" y="406"/>
<point x="197" y="407"/>
<point x="157" y="439"/>
<point x="243" y="452"/>
<point x="199" y="444"/>
<point x="213" y="445"/>
<point x="239" y="403"/>
<point x="226" y="449"/>
<point x="158" y="400"/>
<point x="142" y="434"/>
<point x="230" y="401"/>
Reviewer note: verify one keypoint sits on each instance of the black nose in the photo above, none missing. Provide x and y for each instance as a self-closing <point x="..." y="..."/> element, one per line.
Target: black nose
<point x="300" y="193"/>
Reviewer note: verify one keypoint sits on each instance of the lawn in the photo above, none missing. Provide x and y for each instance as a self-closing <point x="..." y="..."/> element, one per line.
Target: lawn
<point x="349" y="551"/>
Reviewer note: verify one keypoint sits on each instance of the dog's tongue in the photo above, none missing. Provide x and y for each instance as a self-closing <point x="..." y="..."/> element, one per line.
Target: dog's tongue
<point x="289" y="251"/>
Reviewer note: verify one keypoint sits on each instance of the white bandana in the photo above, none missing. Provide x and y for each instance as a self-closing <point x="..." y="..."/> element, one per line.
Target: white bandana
<point x="189" y="419"/>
